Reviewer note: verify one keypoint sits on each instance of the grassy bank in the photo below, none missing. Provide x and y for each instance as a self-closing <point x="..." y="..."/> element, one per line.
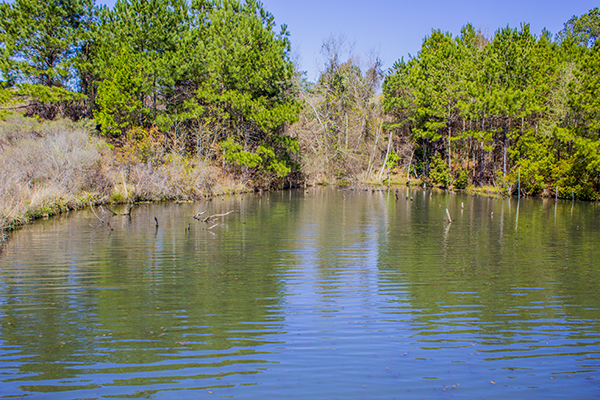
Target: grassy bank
<point x="53" y="167"/>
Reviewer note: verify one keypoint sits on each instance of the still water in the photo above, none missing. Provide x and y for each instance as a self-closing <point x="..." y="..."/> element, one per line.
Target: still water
<point x="321" y="293"/>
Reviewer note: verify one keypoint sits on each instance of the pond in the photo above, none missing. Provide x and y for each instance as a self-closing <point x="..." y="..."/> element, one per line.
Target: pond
<point x="318" y="293"/>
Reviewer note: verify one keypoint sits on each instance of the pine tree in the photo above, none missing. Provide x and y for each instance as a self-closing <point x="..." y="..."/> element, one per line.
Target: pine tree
<point x="39" y="40"/>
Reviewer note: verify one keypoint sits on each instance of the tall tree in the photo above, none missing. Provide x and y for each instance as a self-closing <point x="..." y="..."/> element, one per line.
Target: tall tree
<point x="247" y="89"/>
<point x="437" y="79"/>
<point x="38" y="40"/>
<point x="509" y="69"/>
<point x="149" y="38"/>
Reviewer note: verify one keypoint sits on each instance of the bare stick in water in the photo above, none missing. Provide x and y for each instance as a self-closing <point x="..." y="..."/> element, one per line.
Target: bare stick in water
<point x="448" y="214"/>
<point x="156" y="220"/>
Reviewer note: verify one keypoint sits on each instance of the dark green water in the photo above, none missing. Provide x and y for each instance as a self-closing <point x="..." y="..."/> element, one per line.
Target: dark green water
<point x="318" y="294"/>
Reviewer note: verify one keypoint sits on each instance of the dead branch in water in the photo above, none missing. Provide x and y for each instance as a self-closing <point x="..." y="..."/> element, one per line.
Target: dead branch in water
<point x="448" y="214"/>
<point x="92" y="208"/>
<point x="198" y="214"/>
<point x="127" y="212"/>
<point x="216" y="216"/>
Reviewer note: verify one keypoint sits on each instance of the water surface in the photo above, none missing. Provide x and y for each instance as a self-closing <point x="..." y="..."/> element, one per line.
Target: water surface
<point x="307" y="294"/>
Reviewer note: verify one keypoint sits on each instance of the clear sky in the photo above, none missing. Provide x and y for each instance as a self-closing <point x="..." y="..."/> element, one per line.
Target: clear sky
<point x="396" y="28"/>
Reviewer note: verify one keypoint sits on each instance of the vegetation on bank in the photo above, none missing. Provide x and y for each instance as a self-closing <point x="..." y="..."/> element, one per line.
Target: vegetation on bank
<point x="47" y="168"/>
<point x="169" y="99"/>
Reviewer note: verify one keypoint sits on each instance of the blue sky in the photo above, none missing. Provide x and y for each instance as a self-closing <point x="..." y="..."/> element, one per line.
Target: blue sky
<point x="396" y="28"/>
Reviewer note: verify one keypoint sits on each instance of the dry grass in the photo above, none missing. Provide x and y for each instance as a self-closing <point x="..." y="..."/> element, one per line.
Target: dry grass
<point x="43" y="168"/>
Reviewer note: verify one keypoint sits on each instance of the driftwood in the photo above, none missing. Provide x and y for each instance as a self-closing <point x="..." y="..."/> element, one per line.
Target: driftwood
<point x="216" y="216"/>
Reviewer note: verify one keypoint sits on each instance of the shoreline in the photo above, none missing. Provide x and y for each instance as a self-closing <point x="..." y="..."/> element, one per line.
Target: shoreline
<point x="63" y="206"/>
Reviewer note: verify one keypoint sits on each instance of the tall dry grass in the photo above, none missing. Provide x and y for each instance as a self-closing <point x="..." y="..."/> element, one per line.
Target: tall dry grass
<point x="43" y="167"/>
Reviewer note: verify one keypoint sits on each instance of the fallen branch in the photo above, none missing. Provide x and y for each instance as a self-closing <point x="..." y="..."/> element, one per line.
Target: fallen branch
<point x="216" y="216"/>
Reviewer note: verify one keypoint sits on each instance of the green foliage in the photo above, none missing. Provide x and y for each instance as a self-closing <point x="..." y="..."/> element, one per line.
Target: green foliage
<point x="248" y="74"/>
<point x="233" y="153"/>
<point x="462" y="179"/>
<point x="436" y="78"/>
<point x="6" y="101"/>
<point x="393" y="160"/>
<point x="119" y="96"/>
<point x="207" y="72"/>
<point x="216" y="71"/>
<point x="439" y="174"/>
<point x="264" y="159"/>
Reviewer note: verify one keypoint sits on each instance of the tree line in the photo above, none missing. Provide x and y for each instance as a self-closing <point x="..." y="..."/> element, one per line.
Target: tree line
<point x="214" y="78"/>
<point x="498" y="111"/>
